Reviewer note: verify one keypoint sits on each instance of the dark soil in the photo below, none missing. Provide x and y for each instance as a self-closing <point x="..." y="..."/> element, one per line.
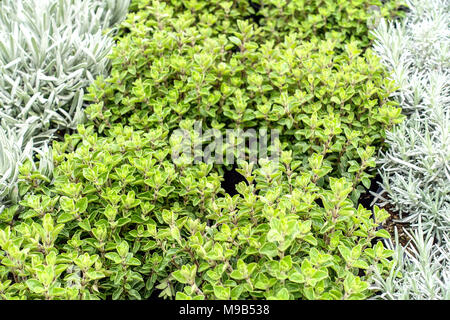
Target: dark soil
<point x="230" y="179"/>
<point x="390" y="224"/>
<point x="61" y="133"/>
<point x="366" y="199"/>
<point x="155" y="295"/>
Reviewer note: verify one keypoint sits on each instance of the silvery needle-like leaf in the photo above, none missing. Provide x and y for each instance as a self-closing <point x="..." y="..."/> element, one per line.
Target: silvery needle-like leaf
<point x="49" y="51"/>
<point x="415" y="169"/>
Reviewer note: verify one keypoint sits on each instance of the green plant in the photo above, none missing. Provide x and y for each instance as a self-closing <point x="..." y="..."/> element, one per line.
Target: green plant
<point x="145" y="222"/>
<point x="320" y="101"/>
<point x="414" y="169"/>
<point x="49" y="53"/>
<point x="16" y="147"/>
<point x="342" y="20"/>
<point x="121" y="219"/>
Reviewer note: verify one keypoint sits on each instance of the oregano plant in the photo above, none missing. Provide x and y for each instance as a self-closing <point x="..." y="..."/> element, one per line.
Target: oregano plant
<point x="122" y="220"/>
<point x="129" y="214"/>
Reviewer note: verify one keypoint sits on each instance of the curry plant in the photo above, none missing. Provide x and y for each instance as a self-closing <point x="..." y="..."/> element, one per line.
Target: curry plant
<point x="417" y="53"/>
<point x="421" y="270"/>
<point x="415" y="168"/>
<point x="16" y="148"/>
<point x="50" y="51"/>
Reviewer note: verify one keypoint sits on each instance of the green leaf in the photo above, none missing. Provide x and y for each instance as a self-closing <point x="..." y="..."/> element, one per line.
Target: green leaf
<point x="67" y="204"/>
<point x="269" y="249"/>
<point x="282" y="294"/>
<point x="320" y="275"/>
<point x="297" y="277"/>
<point x="335" y="100"/>
<point x="85" y="225"/>
<point x="55" y="292"/>
<point x="180" y="277"/>
<point x="361" y="264"/>
<point x="345" y="252"/>
<point x="81" y="205"/>
<point x="123" y="249"/>
<point x="236" y="41"/>
<point x="65" y="217"/>
<point x="236" y="274"/>
<point x="123" y="221"/>
<point x="310" y="239"/>
<point x="133" y="262"/>
<point x="222" y="293"/>
<point x="35" y="286"/>
<point x="366" y="182"/>
<point x="117" y="293"/>
<point x="236" y="292"/>
<point x="383" y="233"/>
<point x="182" y="296"/>
<point x="114" y="257"/>
<point x="95" y="275"/>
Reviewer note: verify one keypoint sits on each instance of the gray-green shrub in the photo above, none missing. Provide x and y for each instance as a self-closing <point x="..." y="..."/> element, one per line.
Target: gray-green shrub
<point x="50" y="51"/>
<point x="415" y="169"/>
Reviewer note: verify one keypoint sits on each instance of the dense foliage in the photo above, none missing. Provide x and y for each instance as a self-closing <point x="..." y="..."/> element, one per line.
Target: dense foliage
<point x="415" y="169"/>
<point x="341" y="20"/>
<point x="122" y="219"/>
<point x="321" y="101"/>
<point x="50" y="51"/>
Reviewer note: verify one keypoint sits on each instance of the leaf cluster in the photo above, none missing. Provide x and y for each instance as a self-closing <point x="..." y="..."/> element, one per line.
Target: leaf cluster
<point x="340" y="20"/>
<point x="125" y="220"/>
<point x="322" y="101"/>
<point x="415" y="168"/>
<point x="121" y="220"/>
<point x="50" y="52"/>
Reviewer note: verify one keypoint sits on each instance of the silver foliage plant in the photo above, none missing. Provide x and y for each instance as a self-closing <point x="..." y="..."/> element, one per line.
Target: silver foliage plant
<point x="415" y="170"/>
<point x="17" y="147"/>
<point x="50" y="51"/>
<point x="421" y="270"/>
